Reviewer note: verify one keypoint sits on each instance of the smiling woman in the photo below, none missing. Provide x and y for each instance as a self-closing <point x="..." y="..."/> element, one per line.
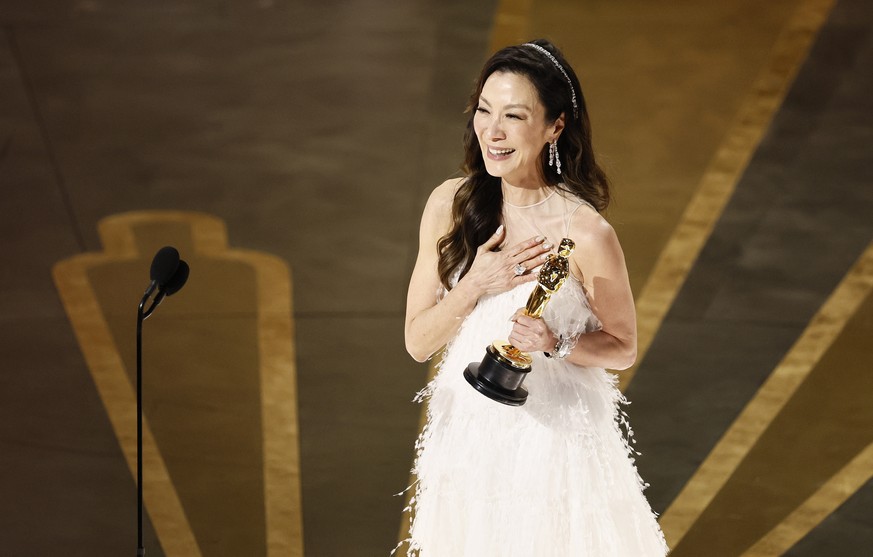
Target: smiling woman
<point x="555" y="476"/>
<point x="512" y="128"/>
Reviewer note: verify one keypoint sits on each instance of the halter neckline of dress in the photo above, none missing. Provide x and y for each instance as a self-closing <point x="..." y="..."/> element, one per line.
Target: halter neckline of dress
<point x="540" y="202"/>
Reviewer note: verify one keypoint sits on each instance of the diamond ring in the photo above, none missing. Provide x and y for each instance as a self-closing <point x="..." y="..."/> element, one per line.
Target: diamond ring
<point x="519" y="269"/>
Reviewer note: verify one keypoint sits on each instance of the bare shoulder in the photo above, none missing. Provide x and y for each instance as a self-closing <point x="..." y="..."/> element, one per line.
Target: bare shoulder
<point x="598" y="251"/>
<point x="598" y="262"/>
<point x="437" y="217"/>
<point x="590" y="230"/>
<point x="439" y="204"/>
<point x="443" y="195"/>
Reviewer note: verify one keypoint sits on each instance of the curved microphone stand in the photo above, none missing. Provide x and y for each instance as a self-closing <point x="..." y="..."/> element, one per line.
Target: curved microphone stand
<point x="168" y="274"/>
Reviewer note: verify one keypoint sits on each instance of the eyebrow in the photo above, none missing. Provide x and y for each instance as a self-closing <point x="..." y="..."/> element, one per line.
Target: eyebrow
<point x="517" y="105"/>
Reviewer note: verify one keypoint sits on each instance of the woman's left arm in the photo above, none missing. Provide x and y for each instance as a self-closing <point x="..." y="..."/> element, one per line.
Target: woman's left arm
<point x="599" y="260"/>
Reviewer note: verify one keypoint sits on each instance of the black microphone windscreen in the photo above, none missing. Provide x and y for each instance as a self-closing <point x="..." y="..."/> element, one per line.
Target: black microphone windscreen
<point x="164" y="265"/>
<point x="178" y="280"/>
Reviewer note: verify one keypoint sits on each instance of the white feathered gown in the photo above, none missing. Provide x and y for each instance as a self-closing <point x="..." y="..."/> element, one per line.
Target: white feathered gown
<point x="552" y="478"/>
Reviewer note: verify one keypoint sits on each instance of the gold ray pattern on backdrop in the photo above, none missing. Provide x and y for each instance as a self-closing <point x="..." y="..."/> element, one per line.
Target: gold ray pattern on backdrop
<point x="219" y="382"/>
<point x="722" y="463"/>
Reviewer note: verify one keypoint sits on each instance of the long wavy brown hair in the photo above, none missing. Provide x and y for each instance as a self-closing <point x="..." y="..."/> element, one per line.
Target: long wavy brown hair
<point x="478" y="202"/>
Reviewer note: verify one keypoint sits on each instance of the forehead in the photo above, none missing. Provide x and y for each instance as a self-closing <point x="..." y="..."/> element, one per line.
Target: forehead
<point x="510" y="88"/>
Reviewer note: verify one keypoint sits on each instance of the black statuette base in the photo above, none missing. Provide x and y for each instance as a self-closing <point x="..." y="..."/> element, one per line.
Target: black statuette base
<point x="498" y="380"/>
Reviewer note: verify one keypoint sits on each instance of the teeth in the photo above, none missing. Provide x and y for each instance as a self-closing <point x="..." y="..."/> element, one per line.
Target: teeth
<point x="499" y="152"/>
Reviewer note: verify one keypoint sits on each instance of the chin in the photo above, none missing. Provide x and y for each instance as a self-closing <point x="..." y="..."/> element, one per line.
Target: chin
<point x="495" y="170"/>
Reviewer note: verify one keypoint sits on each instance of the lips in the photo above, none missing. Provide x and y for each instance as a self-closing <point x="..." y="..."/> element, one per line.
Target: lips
<point x="500" y="152"/>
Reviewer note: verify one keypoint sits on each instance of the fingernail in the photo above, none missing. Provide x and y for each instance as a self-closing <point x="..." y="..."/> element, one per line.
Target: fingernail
<point x="547" y="245"/>
<point x="499" y="229"/>
<point x="545" y="257"/>
<point x="540" y="238"/>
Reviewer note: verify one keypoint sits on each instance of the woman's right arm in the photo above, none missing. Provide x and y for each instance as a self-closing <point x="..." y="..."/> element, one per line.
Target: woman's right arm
<point x="430" y="325"/>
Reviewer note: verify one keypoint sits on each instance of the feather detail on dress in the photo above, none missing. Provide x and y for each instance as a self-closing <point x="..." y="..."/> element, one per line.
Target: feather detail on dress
<point x="555" y="477"/>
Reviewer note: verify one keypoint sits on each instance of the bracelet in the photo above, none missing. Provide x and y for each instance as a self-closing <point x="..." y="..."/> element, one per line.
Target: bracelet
<point x="562" y="348"/>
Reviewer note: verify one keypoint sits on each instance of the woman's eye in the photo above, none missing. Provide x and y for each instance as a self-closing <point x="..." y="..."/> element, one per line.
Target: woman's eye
<point x="515" y="116"/>
<point x="481" y="110"/>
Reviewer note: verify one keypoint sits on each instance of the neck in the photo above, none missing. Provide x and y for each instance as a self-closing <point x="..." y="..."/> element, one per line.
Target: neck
<point x="525" y="192"/>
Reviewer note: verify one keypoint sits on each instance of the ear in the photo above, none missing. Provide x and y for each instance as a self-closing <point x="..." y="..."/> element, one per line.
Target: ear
<point x="556" y="128"/>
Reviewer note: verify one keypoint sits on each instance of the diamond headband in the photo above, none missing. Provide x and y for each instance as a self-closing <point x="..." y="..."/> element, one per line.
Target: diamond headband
<point x="563" y="72"/>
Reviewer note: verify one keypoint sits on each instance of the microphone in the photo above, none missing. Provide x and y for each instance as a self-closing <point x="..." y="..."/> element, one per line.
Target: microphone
<point x="164" y="266"/>
<point x="178" y="280"/>
<point x="170" y="286"/>
<point x="168" y="275"/>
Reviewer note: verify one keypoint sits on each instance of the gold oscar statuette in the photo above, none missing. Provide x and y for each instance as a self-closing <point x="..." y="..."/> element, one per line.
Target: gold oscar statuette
<point x="501" y="372"/>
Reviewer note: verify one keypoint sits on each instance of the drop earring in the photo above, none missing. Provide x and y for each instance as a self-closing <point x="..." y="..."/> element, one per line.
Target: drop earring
<point x="553" y="156"/>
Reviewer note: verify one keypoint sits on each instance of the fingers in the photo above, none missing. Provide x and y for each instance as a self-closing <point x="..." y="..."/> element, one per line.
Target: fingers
<point x="527" y="322"/>
<point x="510" y="267"/>
<point x="532" y="253"/>
<point x="528" y="275"/>
<point x="523" y="330"/>
<point x="519" y="312"/>
<point x="519" y="341"/>
<point x="525" y="338"/>
<point x="530" y="243"/>
<point x="530" y="334"/>
<point x="494" y="240"/>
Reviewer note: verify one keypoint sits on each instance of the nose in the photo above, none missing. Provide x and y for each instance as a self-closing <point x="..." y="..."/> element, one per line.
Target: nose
<point x="494" y="130"/>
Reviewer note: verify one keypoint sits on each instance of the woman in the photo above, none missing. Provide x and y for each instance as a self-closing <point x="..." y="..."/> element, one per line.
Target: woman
<point x="553" y="477"/>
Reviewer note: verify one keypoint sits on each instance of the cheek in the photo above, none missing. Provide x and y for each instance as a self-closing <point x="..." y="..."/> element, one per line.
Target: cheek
<point x="530" y="140"/>
<point x="478" y="125"/>
<point x="536" y="148"/>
